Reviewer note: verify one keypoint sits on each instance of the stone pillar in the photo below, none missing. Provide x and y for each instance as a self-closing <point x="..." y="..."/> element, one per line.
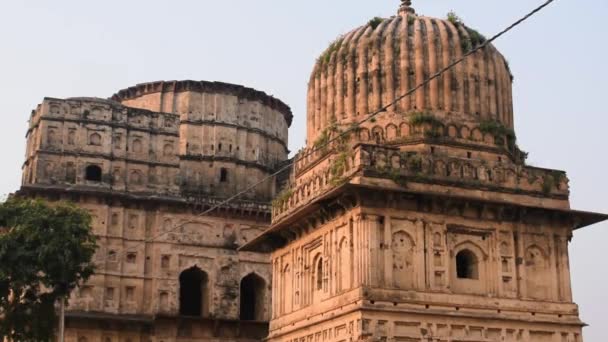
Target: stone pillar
<point x="563" y="268"/>
<point x="553" y="266"/>
<point x="519" y="263"/>
<point x="388" y="256"/>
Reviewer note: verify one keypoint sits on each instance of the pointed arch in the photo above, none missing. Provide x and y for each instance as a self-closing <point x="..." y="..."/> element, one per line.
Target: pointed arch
<point x="193" y="293"/>
<point x="252" y="298"/>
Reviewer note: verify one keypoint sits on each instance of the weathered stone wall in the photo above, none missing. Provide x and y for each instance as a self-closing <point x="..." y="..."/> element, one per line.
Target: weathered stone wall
<point x="399" y="260"/>
<point x="146" y="174"/>
<point x="142" y="151"/>
<point x="137" y="150"/>
<point x="152" y="268"/>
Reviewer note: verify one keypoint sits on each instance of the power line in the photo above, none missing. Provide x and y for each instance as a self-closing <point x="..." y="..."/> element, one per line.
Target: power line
<point x="353" y="127"/>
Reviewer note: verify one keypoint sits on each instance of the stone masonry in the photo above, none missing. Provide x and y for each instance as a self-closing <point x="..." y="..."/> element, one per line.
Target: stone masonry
<point x="424" y="223"/>
<point x="145" y="164"/>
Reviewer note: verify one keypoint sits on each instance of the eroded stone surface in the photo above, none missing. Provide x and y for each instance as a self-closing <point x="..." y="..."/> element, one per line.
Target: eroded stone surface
<point x="424" y="223"/>
<point x="145" y="170"/>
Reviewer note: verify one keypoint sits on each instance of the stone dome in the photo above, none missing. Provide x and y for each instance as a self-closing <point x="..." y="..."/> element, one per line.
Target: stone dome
<point x="372" y="65"/>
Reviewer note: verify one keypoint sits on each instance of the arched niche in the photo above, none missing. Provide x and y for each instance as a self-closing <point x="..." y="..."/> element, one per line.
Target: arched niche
<point x="344" y="265"/>
<point x="95" y="139"/>
<point x="402" y="247"/>
<point x="286" y="290"/>
<point x="537" y="273"/>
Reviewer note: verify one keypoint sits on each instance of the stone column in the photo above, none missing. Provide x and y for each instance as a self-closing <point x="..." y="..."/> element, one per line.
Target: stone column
<point x="388" y="256"/>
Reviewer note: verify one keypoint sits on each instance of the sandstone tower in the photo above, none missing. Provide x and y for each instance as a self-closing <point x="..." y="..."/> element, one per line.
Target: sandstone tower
<point x="145" y="164"/>
<point x="425" y="224"/>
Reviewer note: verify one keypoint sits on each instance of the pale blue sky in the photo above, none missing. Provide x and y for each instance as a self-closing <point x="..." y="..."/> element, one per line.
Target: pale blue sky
<point x="94" y="48"/>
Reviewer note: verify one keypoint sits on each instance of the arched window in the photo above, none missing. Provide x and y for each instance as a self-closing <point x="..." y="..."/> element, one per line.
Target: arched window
<point x="193" y="293"/>
<point x="223" y="175"/>
<point x="319" y="275"/>
<point x="467" y="265"/>
<point x="253" y="290"/>
<point x="93" y="173"/>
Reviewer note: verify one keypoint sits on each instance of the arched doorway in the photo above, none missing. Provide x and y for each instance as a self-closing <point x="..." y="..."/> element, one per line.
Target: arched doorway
<point x="253" y="293"/>
<point x="193" y="293"/>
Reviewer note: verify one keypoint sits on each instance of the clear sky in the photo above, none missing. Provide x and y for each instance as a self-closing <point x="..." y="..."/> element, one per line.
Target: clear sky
<point x="94" y="48"/>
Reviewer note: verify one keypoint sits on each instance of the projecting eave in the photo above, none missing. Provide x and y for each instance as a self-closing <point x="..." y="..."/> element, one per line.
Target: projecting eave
<point x="586" y="218"/>
<point x="275" y="236"/>
<point x="272" y="238"/>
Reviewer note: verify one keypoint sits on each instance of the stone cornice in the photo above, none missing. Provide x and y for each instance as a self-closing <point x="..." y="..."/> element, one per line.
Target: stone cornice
<point x="243" y="208"/>
<point x="231" y="125"/>
<point x="228" y="159"/>
<point x="105" y="156"/>
<point x="113" y="124"/>
<point x="239" y="91"/>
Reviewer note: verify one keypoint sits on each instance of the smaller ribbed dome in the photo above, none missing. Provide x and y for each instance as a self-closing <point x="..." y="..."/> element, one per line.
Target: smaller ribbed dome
<point x="372" y="65"/>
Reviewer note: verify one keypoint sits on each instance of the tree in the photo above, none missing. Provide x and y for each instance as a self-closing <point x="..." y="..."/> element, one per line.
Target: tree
<point x="46" y="250"/>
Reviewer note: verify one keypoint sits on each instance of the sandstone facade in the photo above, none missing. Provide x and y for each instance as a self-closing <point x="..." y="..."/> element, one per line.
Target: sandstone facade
<point x="146" y="164"/>
<point x="422" y="224"/>
<point x="425" y="223"/>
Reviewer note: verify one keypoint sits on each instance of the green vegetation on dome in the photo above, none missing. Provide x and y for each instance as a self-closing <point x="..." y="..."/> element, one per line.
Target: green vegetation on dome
<point x="375" y="22"/>
<point x="509" y="70"/>
<point x="476" y="37"/>
<point x="473" y="38"/>
<point x="334" y="46"/>
<point x="454" y="19"/>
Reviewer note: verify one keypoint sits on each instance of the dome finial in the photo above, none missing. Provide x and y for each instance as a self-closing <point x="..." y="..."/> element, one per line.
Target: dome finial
<point x="406" y="7"/>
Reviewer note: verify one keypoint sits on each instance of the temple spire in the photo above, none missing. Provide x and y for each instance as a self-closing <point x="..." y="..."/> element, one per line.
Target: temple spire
<point x="406" y="7"/>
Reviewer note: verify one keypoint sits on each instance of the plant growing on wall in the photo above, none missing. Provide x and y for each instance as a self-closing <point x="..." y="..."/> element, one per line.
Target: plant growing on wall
<point x="498" y="130"/>
<point x="45" y="252"/>
<point x="375" y="22"/>
<point x="426" y="119"/>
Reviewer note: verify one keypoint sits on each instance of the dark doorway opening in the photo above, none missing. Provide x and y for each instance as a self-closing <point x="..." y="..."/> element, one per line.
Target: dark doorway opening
<point x="93" y="173"/>
<point x="223" y="175"/>
<point x="252" y="298"/>
<point x="193" y="293"/>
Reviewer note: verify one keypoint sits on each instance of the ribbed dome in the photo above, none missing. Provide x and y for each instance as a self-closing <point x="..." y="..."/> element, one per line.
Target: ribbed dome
<point x="372" y="65"/>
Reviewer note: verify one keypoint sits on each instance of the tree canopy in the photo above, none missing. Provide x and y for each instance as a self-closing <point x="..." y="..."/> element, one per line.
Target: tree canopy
<point x="46" y="250"/>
